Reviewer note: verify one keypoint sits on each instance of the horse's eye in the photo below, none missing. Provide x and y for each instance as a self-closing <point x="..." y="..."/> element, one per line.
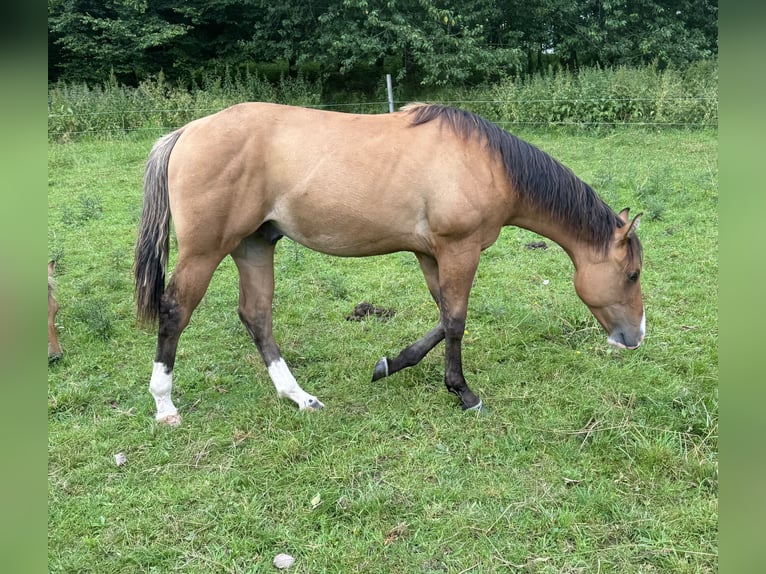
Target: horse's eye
<point x="634" y="276"/>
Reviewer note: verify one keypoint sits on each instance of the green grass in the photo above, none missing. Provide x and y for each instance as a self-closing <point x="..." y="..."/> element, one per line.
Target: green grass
<point x="588" y="460"/>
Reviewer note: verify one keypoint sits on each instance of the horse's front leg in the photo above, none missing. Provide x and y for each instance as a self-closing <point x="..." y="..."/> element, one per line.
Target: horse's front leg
<point x="255" y="262"/>
<point x="409" y="356"/>
<point x="449" y="282"/>
<point x="413" y="354"/>
<point x="453" y="362"/>
<point x="456" y="272"/>
<point x="54" y="348"/>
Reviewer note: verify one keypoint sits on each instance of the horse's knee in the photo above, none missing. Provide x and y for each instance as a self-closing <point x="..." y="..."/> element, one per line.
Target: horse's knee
<point x="454" y="327"/>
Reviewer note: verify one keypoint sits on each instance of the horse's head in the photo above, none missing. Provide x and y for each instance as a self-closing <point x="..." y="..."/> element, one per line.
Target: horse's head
<point x="610" y="285"/>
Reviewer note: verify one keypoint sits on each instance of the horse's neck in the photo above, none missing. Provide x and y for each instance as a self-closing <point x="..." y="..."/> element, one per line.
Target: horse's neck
<point x="543" y="225"/>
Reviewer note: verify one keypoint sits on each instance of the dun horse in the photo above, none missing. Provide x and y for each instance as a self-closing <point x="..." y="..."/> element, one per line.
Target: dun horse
<point x="434" y="180"/>
<point x="54" y="348"/>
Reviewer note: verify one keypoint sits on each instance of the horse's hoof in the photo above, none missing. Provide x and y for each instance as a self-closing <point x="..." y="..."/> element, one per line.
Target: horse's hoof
<point x="478" y="407"/>
<point x="173" y="420"/>
<point x="381" y="369"/>
<point x="312" y="405"/>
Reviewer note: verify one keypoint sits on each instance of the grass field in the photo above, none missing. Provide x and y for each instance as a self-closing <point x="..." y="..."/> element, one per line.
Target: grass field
<point x="588" y="459"/>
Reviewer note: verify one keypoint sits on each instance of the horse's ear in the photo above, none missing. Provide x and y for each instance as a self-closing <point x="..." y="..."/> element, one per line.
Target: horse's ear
<point x="624" y="215"/>
<point x="632" y="227"/>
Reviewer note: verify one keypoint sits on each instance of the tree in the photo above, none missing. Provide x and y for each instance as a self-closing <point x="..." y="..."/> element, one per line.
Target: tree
<point x="423" y="42"/>
<point x="94" y="38"/>
<point x="441" y="43"/>
<point x="285" y="31"/>
<point x="633" y="32"/>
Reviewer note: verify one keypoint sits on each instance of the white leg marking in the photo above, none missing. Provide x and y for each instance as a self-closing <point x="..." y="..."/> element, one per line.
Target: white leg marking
<point x="288" y="387"/>
<point x="160" y="386"/>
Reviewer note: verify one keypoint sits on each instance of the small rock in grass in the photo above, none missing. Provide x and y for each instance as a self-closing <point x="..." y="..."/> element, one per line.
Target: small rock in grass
<point x="283" y="561"/>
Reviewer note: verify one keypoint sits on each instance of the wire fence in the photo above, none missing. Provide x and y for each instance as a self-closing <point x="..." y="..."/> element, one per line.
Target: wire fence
<point x="583" y="113"/>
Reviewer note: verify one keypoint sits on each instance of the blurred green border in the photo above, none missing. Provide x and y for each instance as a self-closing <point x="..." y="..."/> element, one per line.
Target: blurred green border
<point x="23" y="233"/>
<point x="742" y="284"/>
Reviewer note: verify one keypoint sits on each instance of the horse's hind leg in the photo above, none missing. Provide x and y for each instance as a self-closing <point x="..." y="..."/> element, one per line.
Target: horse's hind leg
<point x="255" y="261"/>
<point x="188" y="284"/>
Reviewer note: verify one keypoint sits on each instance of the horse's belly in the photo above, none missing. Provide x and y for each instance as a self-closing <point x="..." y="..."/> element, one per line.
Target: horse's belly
<point x="350" y="235"/>
<point x="351" y="245"/>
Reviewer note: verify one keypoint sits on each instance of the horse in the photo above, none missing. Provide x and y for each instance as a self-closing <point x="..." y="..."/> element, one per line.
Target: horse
<point x="54" y="348"/>
<point x="433" y="180"/>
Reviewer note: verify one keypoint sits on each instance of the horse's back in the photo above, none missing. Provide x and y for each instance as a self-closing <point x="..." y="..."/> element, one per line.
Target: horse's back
<point x="345" y="184"/>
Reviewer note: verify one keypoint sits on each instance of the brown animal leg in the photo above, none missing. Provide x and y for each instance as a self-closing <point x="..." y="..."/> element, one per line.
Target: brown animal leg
<point x="457" y="268"/>
<point x="449" y="282"/>
<point x="255" y="261"/>
<point x="412" y="355"/>
<point x="54" y="348"/>
<point x="186" y="288"/>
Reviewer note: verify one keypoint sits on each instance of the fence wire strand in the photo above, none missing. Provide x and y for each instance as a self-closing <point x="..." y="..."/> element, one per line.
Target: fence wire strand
<point x="382" y="107"/>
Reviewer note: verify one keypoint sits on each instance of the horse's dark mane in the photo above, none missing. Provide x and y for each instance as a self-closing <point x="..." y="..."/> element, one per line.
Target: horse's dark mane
<point x="538" y="178"/>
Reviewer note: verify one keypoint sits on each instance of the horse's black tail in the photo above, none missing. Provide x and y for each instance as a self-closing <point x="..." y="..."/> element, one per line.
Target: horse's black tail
<point x="153" y="242"/>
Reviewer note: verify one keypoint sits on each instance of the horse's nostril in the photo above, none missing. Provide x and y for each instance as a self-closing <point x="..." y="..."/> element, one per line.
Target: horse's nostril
<point x="632" y="345"/>
<point x="623" y="340"/>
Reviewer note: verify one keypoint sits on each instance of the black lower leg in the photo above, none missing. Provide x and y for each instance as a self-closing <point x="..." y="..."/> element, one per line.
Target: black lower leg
<point x="458" y="386"/>
<point x="453" y="366"/>
<point x="409" y="356"/>
<point x="169" y="329"/>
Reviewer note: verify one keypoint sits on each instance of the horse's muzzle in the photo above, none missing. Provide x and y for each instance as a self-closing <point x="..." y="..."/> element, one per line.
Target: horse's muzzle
<point x="621" y="340"/>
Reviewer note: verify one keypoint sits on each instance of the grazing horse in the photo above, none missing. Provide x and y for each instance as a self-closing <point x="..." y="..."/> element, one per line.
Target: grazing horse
<point x="54" y="348"/>
<point x="434" y="180"/>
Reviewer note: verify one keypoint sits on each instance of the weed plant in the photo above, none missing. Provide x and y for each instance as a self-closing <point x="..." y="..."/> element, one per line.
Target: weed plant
<point x="594" y="98"/>
<point x="598" y="98"/>
<point x="155" y="106"/>
<point x="589" y="459"/>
